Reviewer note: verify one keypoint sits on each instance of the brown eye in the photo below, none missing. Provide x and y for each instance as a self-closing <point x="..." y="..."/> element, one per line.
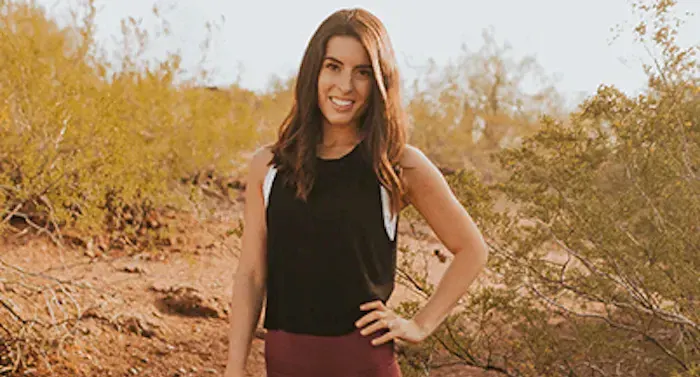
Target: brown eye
<point x="364" y="74"/>
<point x="332" y="66"/>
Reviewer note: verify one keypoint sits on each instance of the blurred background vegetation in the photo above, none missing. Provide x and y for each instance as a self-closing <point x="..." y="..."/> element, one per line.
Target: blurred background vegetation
<point x="592" y="215"/>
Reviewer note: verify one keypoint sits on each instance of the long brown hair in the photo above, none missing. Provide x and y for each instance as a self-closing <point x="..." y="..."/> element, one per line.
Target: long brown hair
<point x="383" y="124"/>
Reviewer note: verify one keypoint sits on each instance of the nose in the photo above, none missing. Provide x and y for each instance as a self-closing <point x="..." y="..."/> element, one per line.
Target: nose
<point x="345" y="83"/>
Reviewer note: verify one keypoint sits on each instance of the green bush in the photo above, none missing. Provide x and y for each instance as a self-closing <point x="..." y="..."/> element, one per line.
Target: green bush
<point x="91" y="146"/>
<point x="594" y="268"/>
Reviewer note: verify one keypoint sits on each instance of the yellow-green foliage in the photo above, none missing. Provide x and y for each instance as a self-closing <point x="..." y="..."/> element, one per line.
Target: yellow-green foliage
<point x="596" y="267"/>
<point x="78" y="142"/>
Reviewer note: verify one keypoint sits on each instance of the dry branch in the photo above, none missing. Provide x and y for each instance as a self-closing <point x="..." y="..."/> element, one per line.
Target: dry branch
<point x="53" y="322"/>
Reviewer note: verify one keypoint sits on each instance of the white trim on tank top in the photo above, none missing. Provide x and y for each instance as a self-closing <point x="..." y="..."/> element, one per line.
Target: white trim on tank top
<point x="390" y="219"/>
<point x="267" y="183"/>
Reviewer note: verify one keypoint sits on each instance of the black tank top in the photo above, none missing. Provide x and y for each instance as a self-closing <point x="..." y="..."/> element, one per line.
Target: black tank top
<point x="328" y="255"/>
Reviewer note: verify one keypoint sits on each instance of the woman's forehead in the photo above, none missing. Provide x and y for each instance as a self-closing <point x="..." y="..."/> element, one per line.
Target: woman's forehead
<point x="347" y="50"/>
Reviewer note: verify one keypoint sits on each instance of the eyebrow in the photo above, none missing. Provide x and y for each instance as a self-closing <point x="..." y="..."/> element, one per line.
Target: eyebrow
<point x="367" y="66"/>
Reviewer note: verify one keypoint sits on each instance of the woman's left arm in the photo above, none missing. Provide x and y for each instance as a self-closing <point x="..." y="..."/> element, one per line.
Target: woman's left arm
<point x="428" y="191"/>
<point x="432" y="197"/>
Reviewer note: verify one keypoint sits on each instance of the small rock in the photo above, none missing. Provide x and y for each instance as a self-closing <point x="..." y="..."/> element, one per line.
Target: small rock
<point x="92" y="312"/>
<point x="189" y="302"/>
<point x="134" y="269"/>
<point x="441" y="257"/>
<point x="159" y="287"/>
<point x="133" y="371"/>
<point x="236" y="184"/>
<point x="142" y="256"/>
<point x="152" y="219"/>
<point x="139" y="326"/>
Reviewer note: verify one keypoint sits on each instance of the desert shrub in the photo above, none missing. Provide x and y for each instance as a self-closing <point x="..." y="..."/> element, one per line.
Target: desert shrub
<point x="94" y="145"/>
<point x="594" y="266"/>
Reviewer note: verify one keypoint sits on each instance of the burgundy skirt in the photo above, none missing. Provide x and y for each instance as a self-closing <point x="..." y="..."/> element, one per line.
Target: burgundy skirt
<point x="352" y="355"/>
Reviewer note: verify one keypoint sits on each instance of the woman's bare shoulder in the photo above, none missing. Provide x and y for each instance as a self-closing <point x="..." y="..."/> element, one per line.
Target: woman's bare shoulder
<point x="420" y="174"/>
<point x="259" y="162"/>
<point x="412" y="157"/>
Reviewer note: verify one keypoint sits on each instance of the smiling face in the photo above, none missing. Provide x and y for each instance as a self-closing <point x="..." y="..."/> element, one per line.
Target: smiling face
<point x="344" y="82"/>
<point x="340" y="83"/>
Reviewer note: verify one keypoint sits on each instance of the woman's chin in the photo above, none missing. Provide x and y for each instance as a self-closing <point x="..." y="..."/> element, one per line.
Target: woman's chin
<point x="340" y="121"/>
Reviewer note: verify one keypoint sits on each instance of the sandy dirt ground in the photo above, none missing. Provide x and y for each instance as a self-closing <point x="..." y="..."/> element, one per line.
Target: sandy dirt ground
<point x="157" y="313"/>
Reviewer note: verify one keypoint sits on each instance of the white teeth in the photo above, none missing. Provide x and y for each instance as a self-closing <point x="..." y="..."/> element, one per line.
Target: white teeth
<point x="341" y="102"/>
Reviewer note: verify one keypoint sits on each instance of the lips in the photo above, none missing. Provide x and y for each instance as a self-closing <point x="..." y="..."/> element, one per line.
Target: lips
<point x="341" y="104"/>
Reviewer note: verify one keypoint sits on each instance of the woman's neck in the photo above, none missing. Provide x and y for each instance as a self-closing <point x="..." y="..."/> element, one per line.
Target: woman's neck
<point x="338" y="136"/>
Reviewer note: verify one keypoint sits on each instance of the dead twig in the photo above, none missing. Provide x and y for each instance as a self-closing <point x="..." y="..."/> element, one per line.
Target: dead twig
<point x="39" y="228"/>
<point x="611" y="323"/>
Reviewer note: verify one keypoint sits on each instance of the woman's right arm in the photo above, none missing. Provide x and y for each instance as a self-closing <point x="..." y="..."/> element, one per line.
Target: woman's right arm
<point x="249" y="281"/>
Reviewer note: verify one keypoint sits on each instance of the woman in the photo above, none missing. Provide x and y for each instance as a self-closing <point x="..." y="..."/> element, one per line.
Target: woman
<point x="321" y="217"/>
